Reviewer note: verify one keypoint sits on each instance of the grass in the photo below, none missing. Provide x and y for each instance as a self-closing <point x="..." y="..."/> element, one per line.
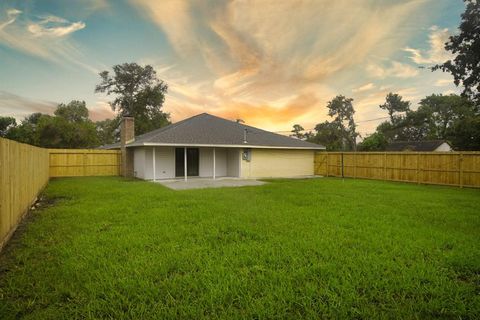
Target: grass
<point x="111" y="248"/>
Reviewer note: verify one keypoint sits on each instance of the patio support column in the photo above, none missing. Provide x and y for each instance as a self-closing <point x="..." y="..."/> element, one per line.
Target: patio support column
<point x="185" y="162"/>
<point x="214" y="163"/>
<point x="154" y="164"/>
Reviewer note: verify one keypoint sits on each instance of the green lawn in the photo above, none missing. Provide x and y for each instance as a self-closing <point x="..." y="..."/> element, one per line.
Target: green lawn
<point x="112" y="248"/>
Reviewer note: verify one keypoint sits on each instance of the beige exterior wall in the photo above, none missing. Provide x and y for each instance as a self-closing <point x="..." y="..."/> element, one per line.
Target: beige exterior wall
<point x="277" y="163"/>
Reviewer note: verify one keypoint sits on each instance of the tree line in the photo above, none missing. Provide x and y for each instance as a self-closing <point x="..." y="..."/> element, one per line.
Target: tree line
<point x="137" y="92"/>
<point x="438" y="117"/>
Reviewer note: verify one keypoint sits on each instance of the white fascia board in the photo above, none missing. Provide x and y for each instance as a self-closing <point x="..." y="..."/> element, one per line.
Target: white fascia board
<point x="153" y="144"/>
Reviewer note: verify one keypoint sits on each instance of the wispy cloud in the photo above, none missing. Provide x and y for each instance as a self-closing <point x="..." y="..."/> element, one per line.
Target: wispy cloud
<point x="392" y="69"/>
<point x="18" y="107"/>
<point x="52" y="26"/>
<point x="45" y="37"/>
<point x="436" y="52"/>
<point x="365" y="87"/>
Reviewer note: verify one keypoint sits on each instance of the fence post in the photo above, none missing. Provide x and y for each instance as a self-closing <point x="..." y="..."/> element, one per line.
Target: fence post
<point x="84" y="164"/>
<point x="342" y="166"/>
<point x="326" y="165"/>
<point x="384" y="166"/>
<point x="418" y="170"/>
<point x="355" y="165"/>
<point x="460" y="167"/>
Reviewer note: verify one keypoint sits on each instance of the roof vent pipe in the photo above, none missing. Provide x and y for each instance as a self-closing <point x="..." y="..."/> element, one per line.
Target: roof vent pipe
<point x="245" y="135"/>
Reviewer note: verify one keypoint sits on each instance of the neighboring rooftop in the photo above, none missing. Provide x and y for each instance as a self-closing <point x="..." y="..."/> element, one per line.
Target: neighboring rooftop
<point x="425" y="146"/>
<point x="205" y="129"/>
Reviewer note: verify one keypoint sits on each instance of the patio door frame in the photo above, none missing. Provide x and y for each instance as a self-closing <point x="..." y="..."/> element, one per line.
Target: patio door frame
<point x="193" y="162"/>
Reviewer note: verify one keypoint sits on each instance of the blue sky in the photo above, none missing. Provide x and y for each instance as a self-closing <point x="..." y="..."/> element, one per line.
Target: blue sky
<point x="272" y="63"/>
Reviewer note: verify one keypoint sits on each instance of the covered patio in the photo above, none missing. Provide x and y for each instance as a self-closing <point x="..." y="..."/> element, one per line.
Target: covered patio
<point x="186" y="162"/>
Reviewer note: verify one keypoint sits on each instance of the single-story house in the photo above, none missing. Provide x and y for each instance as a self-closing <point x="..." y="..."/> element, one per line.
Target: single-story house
<point x="420" y="146"/>
<point x="208" y="146"/>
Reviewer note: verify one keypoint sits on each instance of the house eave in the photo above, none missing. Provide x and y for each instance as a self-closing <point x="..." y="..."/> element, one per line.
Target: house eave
<point x="154" y="144"/>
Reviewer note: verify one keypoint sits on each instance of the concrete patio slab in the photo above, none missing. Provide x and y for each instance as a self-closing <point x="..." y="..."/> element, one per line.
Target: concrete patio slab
<point x="200" y="183"/>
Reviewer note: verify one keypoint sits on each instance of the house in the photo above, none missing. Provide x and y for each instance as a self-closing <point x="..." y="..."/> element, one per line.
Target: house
<point x="208" y="146"/>
<point x="420" y="146"/>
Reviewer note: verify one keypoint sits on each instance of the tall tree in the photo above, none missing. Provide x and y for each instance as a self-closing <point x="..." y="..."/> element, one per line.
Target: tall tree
<point x="297" y="131"/>
<point x="138" y="93"/>
<point x="394" y="105"/>
<point x="465" y="46"/>
<point x="341" y="110"/>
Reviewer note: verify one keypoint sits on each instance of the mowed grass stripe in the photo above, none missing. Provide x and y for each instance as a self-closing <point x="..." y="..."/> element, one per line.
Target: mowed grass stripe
<point x="321" y="248"/>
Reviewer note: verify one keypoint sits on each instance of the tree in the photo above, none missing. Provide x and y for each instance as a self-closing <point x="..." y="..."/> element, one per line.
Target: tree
<point x="108" y="130"/>
<point x="415" y="127"/>
<point x="57" y="132"/>
<point x="442" y="112"/>
<point x="465" y="67"/>
<point x="466" y="134"/>
<point x="394" y="104"/>
<point x="6" y="123"/>
<point x="138" y="93"/>
<point x="388" y="130"/>
<point x="329" y="135"/>
<point x="25" y="132"/>
<point x="69" y="127"/>
<point x="374" y="142"/>
<point x="341" y="109"/>
<point x="75" y="111"/>
<point x="453" y="118"/>
<point x="297" y="131"/>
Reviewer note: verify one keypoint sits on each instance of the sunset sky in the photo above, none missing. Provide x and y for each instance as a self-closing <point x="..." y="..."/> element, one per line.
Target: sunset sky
<point x="271" y="63"/>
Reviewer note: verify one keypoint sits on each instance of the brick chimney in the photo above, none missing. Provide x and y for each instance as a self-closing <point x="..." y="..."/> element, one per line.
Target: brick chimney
<point x="127" y="135"/>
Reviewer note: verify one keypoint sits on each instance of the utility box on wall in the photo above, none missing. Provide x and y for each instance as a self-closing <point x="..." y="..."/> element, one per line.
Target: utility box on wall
<point x="247" y="154"/>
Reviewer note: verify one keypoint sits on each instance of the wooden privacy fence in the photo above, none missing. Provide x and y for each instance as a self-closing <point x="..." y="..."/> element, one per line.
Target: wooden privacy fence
<point x="23" y="174"/>
<point x="84" y="162"/>
<point x="444" y="168"/>
<point x="25" y="170"/>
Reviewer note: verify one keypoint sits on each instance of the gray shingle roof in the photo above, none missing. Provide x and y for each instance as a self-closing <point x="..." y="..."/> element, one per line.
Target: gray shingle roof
<point x="429" y="145"/>
<point x="115" y="145"/>
<point x="205" y="129"/>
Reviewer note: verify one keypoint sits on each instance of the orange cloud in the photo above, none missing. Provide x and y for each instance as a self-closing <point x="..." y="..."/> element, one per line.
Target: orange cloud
<point x="275" y="63"/>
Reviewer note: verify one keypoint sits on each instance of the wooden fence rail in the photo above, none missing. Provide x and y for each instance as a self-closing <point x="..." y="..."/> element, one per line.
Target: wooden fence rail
<point x="23" y="174"/>
<point x="444" y="168"/>
<point x="84" y="162"/>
